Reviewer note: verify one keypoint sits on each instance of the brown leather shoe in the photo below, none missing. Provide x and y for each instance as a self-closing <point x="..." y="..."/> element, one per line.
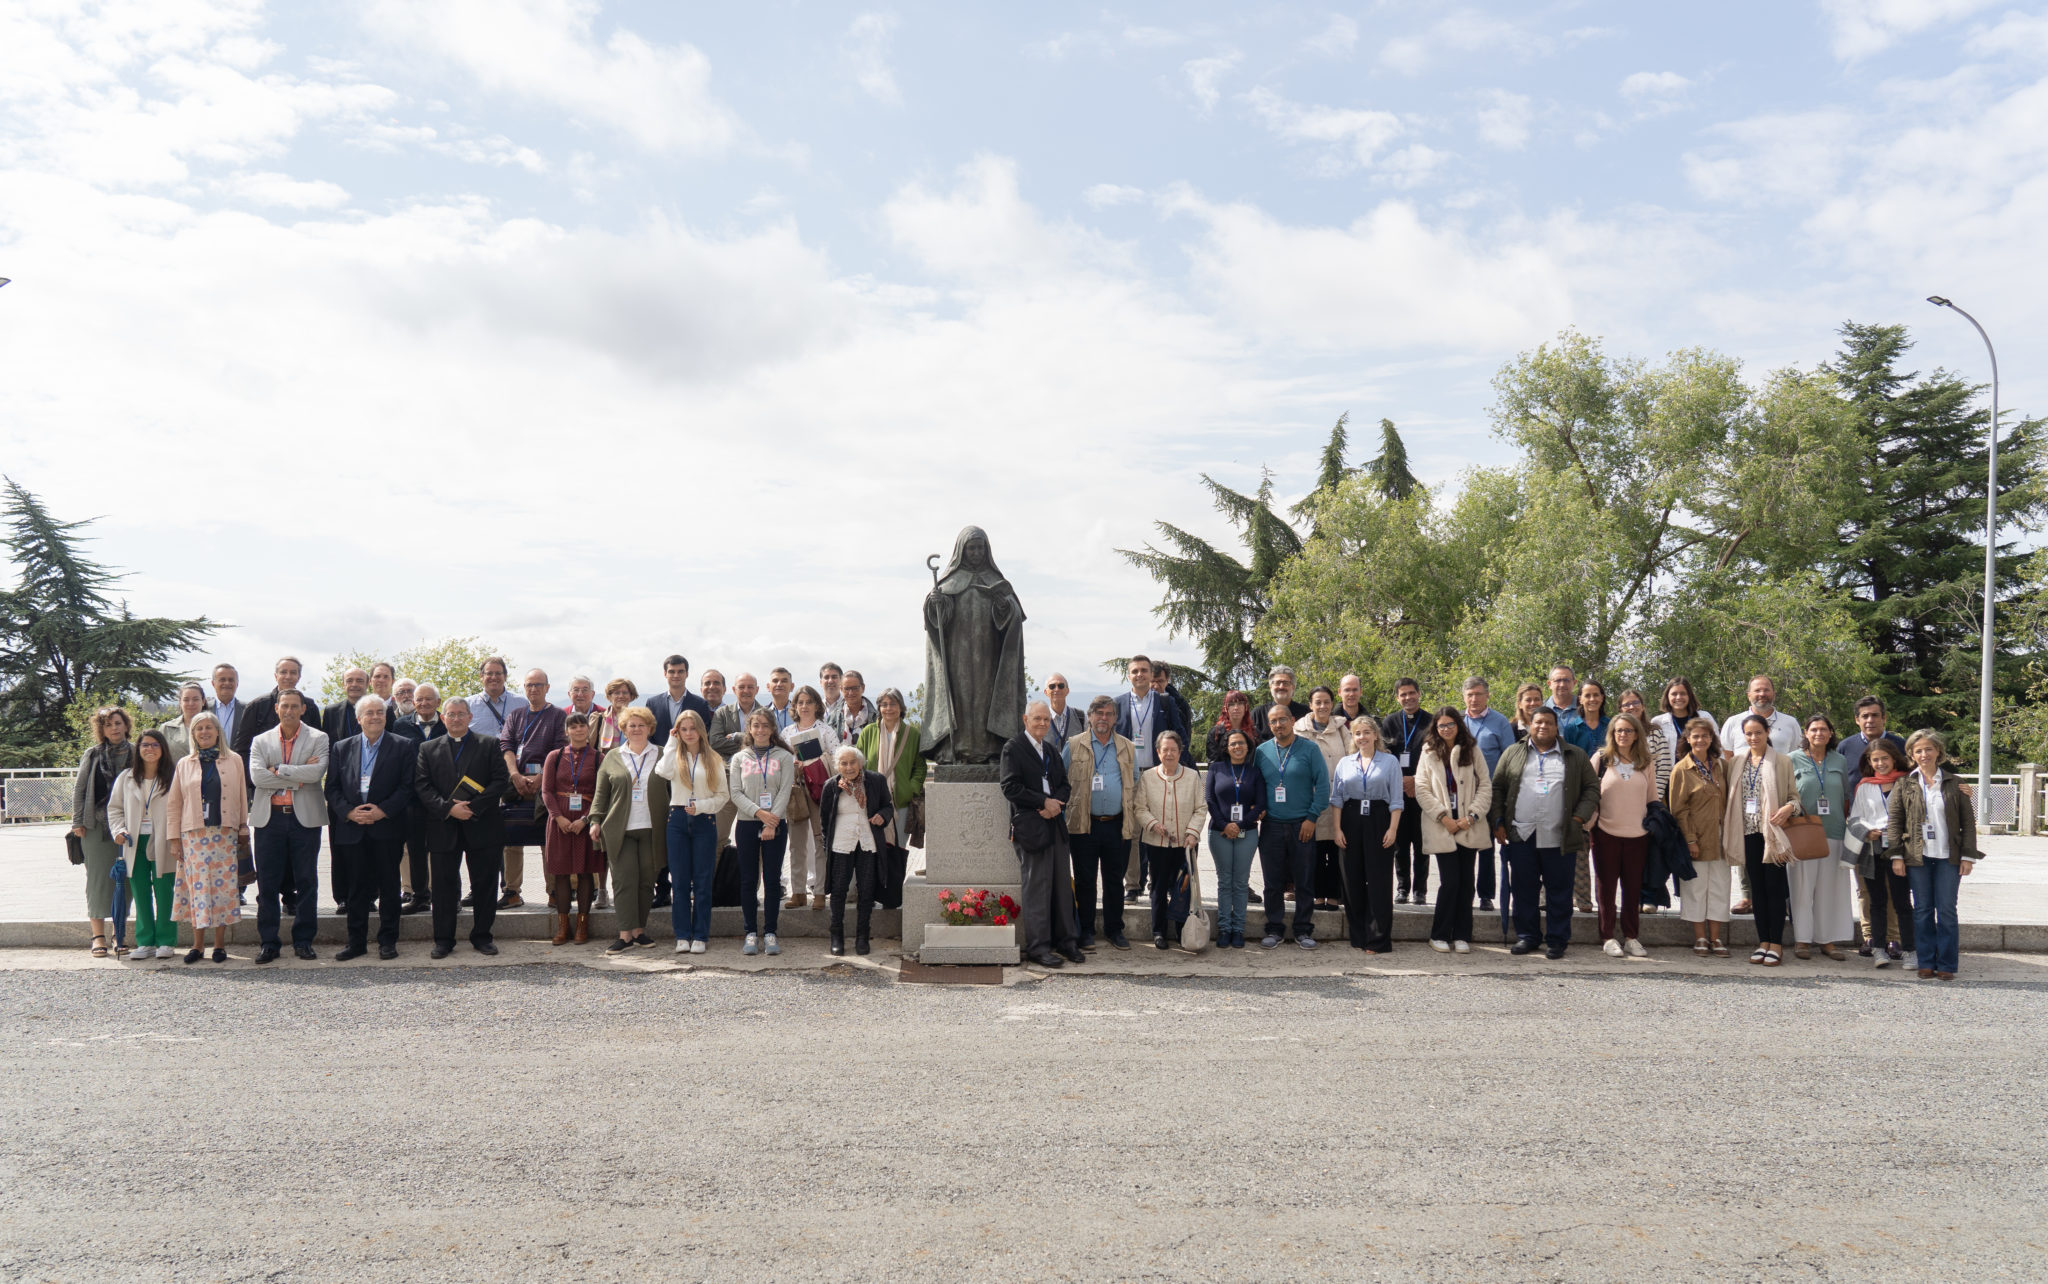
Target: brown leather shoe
<point x="583" y="929"/>
<point x="1803" y="950"/>
<point x="1927" y="974"/>
<point x="1833" y="951"/>
<point x="1944" y="976"/>
<point x="793" y="902"/>
<point x="561" y="930"/>
<point x="817" y="902"/>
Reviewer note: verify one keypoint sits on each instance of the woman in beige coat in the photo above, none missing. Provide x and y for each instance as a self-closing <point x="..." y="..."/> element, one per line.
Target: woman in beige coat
<point x="1761" y="798"/>
<point x="1326" y="727"/>
<point x="1172" y="812"/>
<point x="1454" y="791"/>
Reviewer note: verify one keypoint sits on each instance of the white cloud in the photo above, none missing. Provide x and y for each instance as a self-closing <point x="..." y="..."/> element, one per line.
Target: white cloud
<point x="1504" y="118"/>
<point x="1205" y="74"/>
<point x="1107" y="195"/>
<point x="286" y="191"/>
<point x="867" y="51"/>
<point x="1861" y="28"/>
<point x="983" y="230"/>
<point x="545" y="50"/>
<point x="2021" y="34"/>
<point x="1462" y="32"/>
<point x="1337" y="39"/>
<point x="1653" y="84"/>
<point x="1357" y="136"/>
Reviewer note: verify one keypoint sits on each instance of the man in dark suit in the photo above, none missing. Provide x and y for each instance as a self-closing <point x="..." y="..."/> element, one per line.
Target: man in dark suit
<point x="1034" y="782"/>
<point x="421" y="725"/>
<point x="338" y="720"/>
<point x="458" y="782"/>
<point x="664" y="705"/>
<point x="369" y="789"/>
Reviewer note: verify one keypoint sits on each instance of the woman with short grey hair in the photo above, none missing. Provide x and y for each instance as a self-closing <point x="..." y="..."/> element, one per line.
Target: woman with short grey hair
<point x="854" y="814"/>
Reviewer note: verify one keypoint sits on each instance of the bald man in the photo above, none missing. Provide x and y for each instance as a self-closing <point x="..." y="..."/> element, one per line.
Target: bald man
<point x="531" y="732"/>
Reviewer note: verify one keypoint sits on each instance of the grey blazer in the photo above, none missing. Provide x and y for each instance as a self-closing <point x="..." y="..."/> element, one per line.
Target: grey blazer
<point x="303" y="776"/>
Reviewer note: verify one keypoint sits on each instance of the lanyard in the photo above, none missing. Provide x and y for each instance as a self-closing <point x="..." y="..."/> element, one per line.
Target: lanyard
<point x="370" y="756"/>
<point x="498" y="709"/>
<point x="1096" y="748"/>
<point x="1408" y="723"/>
<point x="575" y="771"/>
<point x="1236" y="783"/>
<point x="1281" y="756"/>
<point x="637" y="764"/>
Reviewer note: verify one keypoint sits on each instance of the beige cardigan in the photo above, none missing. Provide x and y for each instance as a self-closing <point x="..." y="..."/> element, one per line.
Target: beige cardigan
<point x="1433" y="799"/>
<point x="1184" y="800"/>
<point x="125" y="814"/>
<point x="1775" y="789"/>
<point x="1335" y="741"/>
<point x="187" y="810"/>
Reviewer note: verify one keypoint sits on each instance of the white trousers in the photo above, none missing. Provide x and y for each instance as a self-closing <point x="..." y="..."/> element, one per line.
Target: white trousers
<point x="806" y="858"/>
<point x="1705" y="899"/>
<point x="1823" y="898"/>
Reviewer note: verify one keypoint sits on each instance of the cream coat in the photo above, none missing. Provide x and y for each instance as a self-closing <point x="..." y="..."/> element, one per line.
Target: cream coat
<point x="125" y="811"/>
<point x="1775" y="789"/>
<point x="1335" y="741"/>
<point x="1433" y="797"/>
<point x="1182" y="800"/>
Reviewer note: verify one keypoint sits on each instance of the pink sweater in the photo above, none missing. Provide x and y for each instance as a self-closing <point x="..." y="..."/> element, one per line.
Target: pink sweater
<point x="1623" y="801"/>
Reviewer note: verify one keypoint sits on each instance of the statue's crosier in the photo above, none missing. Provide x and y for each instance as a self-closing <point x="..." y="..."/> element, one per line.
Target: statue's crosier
<point x="973" y="656"/>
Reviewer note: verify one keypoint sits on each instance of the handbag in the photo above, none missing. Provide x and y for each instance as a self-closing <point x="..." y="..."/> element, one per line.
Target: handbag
<point x="74" y="847"/>
<point x="1196" y="931"/>
<point x="1808" y="837"/>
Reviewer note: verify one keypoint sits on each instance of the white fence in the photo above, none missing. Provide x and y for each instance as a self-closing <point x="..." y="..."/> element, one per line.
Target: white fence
<point x="35" y="793"/>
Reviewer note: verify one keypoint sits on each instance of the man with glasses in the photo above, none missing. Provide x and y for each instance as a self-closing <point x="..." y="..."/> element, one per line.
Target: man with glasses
<point x="489" y="708"/>
<point x="531" y="732"/>
<point x="1067" y="721"/>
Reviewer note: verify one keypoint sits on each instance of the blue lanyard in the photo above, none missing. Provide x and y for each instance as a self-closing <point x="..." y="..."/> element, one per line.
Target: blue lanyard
<point x="370" y="755"/>
<point x="637" y="765"/>
<point x="1236" y="783"/>
<point x="1281" y="756"/>
<point x="1096" y="749"/>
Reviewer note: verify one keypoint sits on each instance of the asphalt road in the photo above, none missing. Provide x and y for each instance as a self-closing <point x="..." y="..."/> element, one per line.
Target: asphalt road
<point x="565" y="1122"/>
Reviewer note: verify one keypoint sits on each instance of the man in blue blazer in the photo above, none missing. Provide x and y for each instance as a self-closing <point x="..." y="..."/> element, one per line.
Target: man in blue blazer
<point x="369" y="789"/>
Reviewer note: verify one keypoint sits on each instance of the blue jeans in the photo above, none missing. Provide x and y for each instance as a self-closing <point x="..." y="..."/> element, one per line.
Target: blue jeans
<point x="1552" y="868"/>
<point x="1233" y="858"/>
<point x="285" y="847"/>
<point x="692" y="858"/>
<point x="760" y="863"/>
<point x="1935" y="933"/>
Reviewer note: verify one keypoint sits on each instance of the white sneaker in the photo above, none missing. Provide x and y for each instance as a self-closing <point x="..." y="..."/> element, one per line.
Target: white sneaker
<point x="696" y="947"/>
<point x="1441" y="947"/>
<point x="1635" y="949"/>
<point x="772" y="947"/>
<point x="1461" y="947"/>
<point x="1613" y="948"/>
<point x="682" y="946"/>
<point x="753" y="945"/>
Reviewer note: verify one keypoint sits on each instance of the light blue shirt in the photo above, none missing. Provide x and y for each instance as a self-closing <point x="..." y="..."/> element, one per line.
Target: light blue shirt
<point x="1366" y="783"/>
<point x="369" y="752"/>
<point x="483" y="719"/>
<point x="1108" y="800"/>
<point x="1493" y="733"/>
<point x="225" y="710"/>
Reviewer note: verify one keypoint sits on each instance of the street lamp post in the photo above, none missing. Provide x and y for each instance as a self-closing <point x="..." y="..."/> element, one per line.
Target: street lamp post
<point x="1990" y="572"/>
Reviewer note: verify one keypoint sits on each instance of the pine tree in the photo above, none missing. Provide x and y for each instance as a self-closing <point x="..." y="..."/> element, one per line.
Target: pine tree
<point x="62" y="637"/>
<point x="1912" y="549"/>
<point x="1389" y="470"/>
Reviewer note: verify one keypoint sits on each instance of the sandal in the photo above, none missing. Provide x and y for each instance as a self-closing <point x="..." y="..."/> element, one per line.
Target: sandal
<point x="1759" y="954"/>
<point x="1803" y="950"/>
<point x="1833" y="951"/>
<point x="1699" y="946"/>
<point x="1720" y="949"/>
<point x="99" y="947"/>
<point x="1773" y="958"/>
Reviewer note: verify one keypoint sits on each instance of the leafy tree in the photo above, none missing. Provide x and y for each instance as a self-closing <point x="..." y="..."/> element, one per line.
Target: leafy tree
<point x="451" y="664"/>
<point x="63" y="638"/>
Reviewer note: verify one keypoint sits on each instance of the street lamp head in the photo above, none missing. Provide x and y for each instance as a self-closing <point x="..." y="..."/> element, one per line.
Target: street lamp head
<point x="1939" y="302"/>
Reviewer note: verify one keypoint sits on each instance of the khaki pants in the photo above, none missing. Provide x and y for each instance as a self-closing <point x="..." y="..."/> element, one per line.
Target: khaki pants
<point x="515" y="869"/>
<point x="726" y="816"/>
<point x="806" y="858"/>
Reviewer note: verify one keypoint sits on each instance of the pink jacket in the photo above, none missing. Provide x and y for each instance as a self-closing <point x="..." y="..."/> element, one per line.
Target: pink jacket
<point x="184" y="803"/>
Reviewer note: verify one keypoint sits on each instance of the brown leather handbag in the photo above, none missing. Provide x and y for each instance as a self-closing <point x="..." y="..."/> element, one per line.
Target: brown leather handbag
<point x="1808" y="836"/>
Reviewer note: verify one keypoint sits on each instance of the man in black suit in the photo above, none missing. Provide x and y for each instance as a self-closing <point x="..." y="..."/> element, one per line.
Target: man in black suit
<point x="369" y="789"/>
<point x="338" y="720"/>
<point x="421" y="725"/>
<point x="664" y="705"/>
<point x="1034" y="782"/>
<point x="458" y="783"/>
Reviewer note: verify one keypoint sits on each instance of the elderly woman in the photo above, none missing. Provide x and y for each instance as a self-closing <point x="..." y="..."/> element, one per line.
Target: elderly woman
<point x="1368" y="792"/>
<point x="178" y="731"/>
<point x="1325" y="726"/>
<point x="1931" y="838"/>
<point x="1235" y="715"/>
<point x="110" y="755"/>
<point x="609" y="731"/>
<point x="136" y="816"/>
<point x="893" y="748"/>
<point x="1172" y="812"/>
<point x="1822" y="891"/>
<point x="1454" y="792"/>
<point x="568" y="787"/>
<point x="631" y="795"/>
<point x="1699" y="801"/>
<point x="1761" y="798"/>
<point x="855" y="811"/>
<point x="208" y="815"/>
<point x="697" y="793"/>
<point x="760" y="777"/>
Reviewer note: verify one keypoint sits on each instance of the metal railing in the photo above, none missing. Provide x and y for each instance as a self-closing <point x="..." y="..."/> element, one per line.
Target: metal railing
<point x="30" y="795"/>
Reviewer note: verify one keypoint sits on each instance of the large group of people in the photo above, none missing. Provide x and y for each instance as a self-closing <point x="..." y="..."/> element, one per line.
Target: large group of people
<point x="630" y="805"/>
<point x="1565" y="804"/>
<point x="1575" y="802"/>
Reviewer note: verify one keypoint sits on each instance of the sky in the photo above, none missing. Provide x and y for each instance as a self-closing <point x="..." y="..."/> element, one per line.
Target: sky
<point x="606" y="331"/>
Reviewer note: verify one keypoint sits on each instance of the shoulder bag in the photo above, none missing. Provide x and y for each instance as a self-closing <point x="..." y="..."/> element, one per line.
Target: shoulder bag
<point x="1808" y="837"/>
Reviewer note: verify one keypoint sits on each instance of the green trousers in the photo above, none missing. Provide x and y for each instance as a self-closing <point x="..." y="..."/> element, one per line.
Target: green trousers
<point x="153" y="923"/>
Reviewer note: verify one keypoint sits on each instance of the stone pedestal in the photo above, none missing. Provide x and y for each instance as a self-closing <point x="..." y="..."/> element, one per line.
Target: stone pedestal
<point x="947" y="943"/>
<point x="966" y="846"/>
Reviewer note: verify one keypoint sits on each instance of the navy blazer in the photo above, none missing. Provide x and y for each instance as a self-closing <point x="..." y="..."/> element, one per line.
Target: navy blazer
<point x="1023" y="776"/>
<point x="665" y="710"/>
<point x="390" y="786"/>
<point x="1165" y="717"/>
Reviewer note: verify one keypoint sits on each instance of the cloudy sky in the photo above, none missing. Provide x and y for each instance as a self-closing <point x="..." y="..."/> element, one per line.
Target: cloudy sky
<point x="603" y="331"/>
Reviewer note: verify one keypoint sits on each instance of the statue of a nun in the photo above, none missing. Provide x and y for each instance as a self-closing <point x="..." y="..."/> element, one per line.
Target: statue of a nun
<point x="973" y="657"/>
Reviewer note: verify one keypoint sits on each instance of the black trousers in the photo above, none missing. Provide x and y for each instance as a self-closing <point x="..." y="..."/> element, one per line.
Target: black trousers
<point x="1890" y="889"/>
<point x="861" y="868"/>
<point x="1453" y="920"/>
<point x="1769" y="892"/>
<point x="1167" y="867"/>
<point x="421" y="864"/>
<point x="1411" y="865"/>
<point x="1368" y="877"/>
<point x="1048" y="909"/>
<point x="369" y="869"/>
<point x="1329" y="871"/>
<point x="486" y="862"/>
<point x="1286" y="857"/>
<point x="1102" y="853"/>
<point x="339" y="871"/>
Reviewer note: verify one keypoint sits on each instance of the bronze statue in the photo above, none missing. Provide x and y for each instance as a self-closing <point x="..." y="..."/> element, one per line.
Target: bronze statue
<point x="973" y="656"/>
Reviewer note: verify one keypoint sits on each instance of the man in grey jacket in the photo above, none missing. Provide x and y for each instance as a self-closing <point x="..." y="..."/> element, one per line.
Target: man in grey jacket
<point x="287" y="765"/>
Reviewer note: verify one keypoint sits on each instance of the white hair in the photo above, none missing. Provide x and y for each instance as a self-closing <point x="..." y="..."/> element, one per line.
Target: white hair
<point x="425" y="686"/>
<point x="367" y="701"/>
<point x="844" y="750"/>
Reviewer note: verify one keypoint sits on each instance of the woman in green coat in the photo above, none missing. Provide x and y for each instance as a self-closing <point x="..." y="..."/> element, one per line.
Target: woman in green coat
<point x="1822" y="891"/>
<point x="894" y="749"/>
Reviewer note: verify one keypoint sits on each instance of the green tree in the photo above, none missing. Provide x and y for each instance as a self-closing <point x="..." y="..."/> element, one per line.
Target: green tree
<point x="452" y="664"/>
<point x="1389" y="468"/>
<point x="64" y="639"/>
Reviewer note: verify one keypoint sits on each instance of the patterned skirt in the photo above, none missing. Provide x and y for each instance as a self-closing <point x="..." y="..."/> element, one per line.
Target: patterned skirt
<point x="208" y="894"/>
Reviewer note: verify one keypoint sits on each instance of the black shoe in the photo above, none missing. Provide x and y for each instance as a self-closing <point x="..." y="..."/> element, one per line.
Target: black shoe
<point x="405" y="898"/>
<point x="1072" y="955"/>
<point x="1401" y="897"/>
<point x="511" y="900"/>
<point x="1523" y="946"/>
<point x="1553" y="951"/>
<point x="1048" y="960"/>
<point x="860" y="945"/>
<point x="417" y="906"/>
<point x="469" y="901"/>
<point x="442" y="951"/>
<point x="306" y="952"/>
<point x="1088" y="942"/>
<point x="838" y="946"/>
<point x="662" y="900"/>
<point x="1486" y="904"/>
<point x="220" y="955"/>
<point x="1158" y="940"/>
<point x="387" y="952"/>
<point x="194" y="954"/>
<point x="268" y="954"/>
<point x="352" y="952"/>
<point x="644" y="941"/>
<point x="483" y="947"/>
<point x="619" y="946"/>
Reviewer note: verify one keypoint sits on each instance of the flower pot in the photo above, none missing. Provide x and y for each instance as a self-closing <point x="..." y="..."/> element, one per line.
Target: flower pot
<point x="977" y="943"/>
